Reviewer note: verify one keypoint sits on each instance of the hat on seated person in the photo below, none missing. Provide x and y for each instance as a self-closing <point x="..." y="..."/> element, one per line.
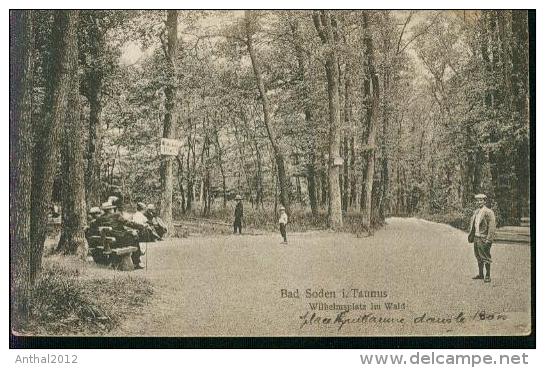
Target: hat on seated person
<point x="107" y="205"/>
<point x="480" y="196"/>
<point x="282" y="208"/>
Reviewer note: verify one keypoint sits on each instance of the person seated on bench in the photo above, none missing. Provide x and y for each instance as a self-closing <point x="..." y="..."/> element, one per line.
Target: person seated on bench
<point x="148" y="234"/>
<point x="156" y="222"/>
<point x="124" y="231"/>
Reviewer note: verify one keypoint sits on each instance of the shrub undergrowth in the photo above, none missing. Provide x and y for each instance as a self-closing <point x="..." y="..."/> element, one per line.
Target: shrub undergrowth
<point x="64" y="303"/>
<point x="265" y="218"/>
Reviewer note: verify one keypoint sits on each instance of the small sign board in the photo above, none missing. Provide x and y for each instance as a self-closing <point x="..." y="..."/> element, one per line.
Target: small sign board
<point x="338" y="161"/>
<point x="170" y="147"/>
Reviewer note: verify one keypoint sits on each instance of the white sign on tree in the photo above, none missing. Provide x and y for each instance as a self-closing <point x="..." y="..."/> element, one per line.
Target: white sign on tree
<point x="170" y="147"/>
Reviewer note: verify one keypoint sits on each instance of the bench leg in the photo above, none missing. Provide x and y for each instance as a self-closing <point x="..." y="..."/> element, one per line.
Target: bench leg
<point x="125" y="262"/>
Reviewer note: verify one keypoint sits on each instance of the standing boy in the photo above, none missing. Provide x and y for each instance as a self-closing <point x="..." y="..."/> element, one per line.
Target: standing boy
<point x="481" y="234"/>
<point x="239" y="212"/>
<point x="283" y="221"/>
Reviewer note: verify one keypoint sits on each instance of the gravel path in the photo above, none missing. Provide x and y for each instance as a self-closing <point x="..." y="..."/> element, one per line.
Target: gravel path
<point x="232" y="285"/>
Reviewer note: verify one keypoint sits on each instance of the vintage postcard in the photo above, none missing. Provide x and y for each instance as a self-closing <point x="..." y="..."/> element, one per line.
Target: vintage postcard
<point x="279" y="173"/>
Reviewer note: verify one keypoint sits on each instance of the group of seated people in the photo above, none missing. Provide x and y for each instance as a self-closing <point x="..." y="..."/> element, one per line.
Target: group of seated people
<point x="127" y="229"/>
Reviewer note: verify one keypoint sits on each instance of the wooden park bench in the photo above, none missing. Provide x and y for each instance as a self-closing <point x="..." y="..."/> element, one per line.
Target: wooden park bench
<point x="103" y="252"/>
<point x="121" y="258"/>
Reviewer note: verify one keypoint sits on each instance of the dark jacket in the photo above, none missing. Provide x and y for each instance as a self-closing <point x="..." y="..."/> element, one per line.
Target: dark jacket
<point x="239" y="211"/>
<point x="117" y="222"/>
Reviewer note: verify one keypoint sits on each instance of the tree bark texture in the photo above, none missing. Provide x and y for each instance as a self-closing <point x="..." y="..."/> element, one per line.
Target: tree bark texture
<point x="324" y="27"/>
<point x="371" y="96"/>
<point x="93" y="90"/>
<point x="310" y="125"/>
<point x="278" y="154"/>
<point x="169" y="123"/>
<point x="22" y="81"/>
<point x="62" y="66"/>
<point x="74" y="213"/>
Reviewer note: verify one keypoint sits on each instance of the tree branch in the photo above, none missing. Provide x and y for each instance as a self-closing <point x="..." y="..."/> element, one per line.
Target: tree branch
<point x="164" y="43"/>
<point x="318" y="26"/>
<point x="424" y="31"/>
<point x="403" y="30"/>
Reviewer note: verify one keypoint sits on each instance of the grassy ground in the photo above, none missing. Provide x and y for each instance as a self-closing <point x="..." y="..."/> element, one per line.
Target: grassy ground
<point x="72" y="298"/>
<point x="232" y="285"/>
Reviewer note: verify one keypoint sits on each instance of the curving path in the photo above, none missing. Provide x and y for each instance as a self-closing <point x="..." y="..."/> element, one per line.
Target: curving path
<point x="231" y="285"/>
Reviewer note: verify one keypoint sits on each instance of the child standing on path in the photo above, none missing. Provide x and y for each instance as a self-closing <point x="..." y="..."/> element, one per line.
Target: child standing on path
<point x="283" y="221"/>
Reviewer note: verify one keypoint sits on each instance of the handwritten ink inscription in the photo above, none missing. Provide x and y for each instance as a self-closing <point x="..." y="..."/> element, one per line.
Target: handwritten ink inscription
<point x="345" y="318"/>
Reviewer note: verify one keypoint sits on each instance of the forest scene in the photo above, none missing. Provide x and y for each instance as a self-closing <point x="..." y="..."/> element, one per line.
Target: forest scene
<point x="349" y="122"/>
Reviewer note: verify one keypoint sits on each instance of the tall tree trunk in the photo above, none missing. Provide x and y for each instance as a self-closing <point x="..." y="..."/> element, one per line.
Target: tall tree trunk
<point x="181" y="181"/>
<point x="520" y="80"/>
<point x="22" y="82"/>
<point x="92" y="174"/>
<point x="324" y="27"/>
<point x="385" y="179"/>
<point x="298" y="190"/>
<point x="323" y="181"/>
<point x="354" y="178"/>
<point x="345" y="174"/>
<point x="309" y="123"/>
<point x="311" y="178"/>
<point x="348" y="127"/>
<point x="371" y="96"/>
<point x="169" y="123"/>
<point x="205" y="163"/>
<point x="190" y="169"/>
<point x="242" y="159"/>
<point x="278" y="154"/>
<point x="62" y="68"/>
<point x="259" y="176"/>
<point x="74" y="214"/>
<point x="93" y="91"/>
<point x="219" y="152"/>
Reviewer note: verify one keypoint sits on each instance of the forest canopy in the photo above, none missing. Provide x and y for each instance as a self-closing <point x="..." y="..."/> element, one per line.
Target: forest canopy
<point x="450" y="119"/>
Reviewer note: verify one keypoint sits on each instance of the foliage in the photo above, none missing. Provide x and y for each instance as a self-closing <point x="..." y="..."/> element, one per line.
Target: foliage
<point x="440" y="138"/>
<point x="65" y="303"/>
<point x="433" y="126"/>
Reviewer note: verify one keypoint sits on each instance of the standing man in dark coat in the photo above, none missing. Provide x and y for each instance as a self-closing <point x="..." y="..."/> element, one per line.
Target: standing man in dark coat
<point x="239" y="213"/>
<point x="481" y="234"/>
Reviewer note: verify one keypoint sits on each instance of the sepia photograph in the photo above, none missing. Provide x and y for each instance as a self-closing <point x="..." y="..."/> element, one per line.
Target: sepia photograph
<point x="271" y="173"/>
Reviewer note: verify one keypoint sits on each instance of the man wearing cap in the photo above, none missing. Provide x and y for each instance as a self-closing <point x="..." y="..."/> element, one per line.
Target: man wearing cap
<point x="239" y="212"/>
<point x="481" y="234"/>
<point x="107" y="207"/>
